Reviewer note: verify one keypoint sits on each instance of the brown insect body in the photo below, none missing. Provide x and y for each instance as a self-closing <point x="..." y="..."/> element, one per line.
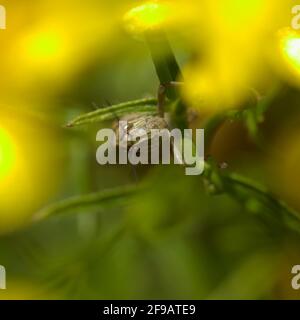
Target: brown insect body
<point x="134" y="123"/>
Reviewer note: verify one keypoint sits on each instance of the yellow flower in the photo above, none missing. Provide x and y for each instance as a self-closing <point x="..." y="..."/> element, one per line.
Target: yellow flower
<point x="148" y="16"/>
<point x="31" y="166"/>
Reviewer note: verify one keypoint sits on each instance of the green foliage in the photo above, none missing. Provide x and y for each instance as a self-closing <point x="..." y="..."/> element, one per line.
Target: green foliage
<point x="81" y="203"/>
<point x="169" y="236"/>
<point x="115" y="111"/>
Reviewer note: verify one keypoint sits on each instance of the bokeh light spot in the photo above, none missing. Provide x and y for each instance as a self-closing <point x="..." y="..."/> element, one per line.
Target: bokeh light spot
<point x="44" y="46"/>
<point x="46" y="52"/>
<point x="291" y="48"/>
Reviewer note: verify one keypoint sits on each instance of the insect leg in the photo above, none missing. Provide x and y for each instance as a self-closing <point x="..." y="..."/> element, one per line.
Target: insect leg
<point x="161" y="95"/>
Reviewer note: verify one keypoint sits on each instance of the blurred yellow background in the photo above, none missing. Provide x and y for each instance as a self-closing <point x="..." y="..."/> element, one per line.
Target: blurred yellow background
<point x="62" y="58"/>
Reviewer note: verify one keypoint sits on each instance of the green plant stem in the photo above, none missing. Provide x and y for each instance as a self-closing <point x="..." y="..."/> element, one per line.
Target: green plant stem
<point x="236" y="186"/>
<point x="168" y="71"/>
<point x="242" y="188"/>
<point x="83" y="202"/>
<point x="165" y="63"/>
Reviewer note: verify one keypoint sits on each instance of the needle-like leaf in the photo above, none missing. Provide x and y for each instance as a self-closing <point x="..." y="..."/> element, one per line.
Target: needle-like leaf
<point x="74" y="204"/>
<point x="114" y="111"/>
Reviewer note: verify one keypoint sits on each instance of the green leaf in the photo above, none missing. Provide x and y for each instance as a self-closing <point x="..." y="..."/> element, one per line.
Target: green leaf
<point x="279" y="213"/>
<point x="115" y="111"/>
<point x="74" y="204"/>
